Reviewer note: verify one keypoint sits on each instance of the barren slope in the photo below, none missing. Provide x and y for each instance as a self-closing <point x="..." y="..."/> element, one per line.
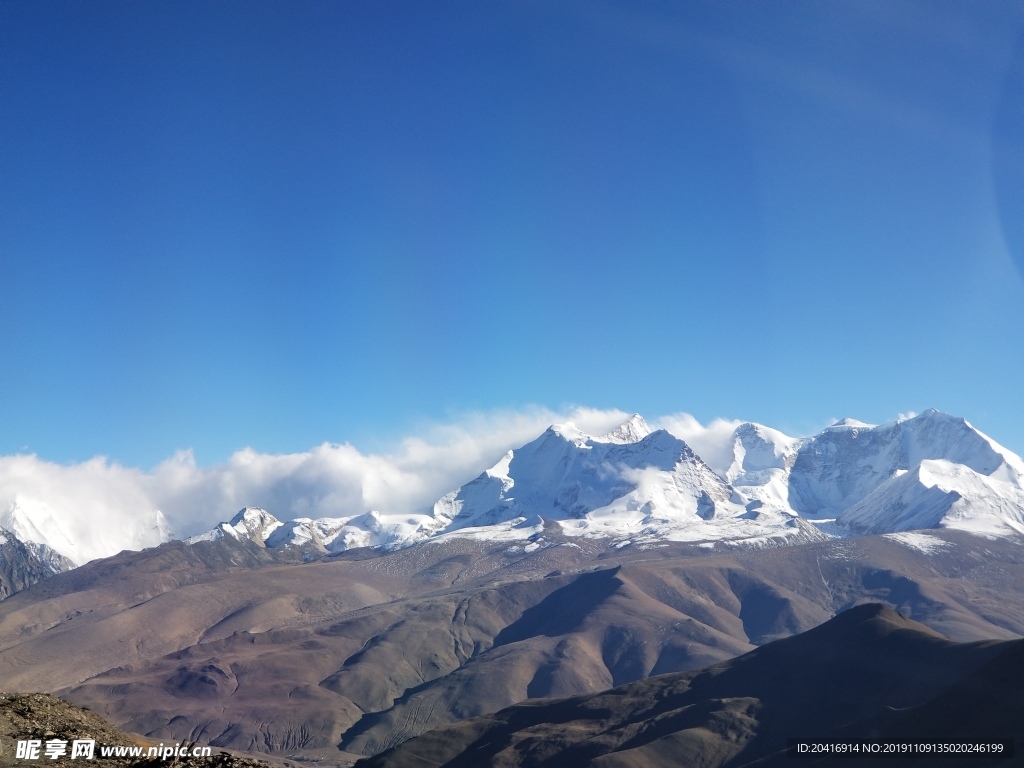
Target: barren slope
<point x="223" y="643"/>
<point x="868" y="668"/>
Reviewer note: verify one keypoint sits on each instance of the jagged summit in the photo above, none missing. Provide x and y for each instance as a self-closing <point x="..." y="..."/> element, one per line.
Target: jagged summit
<point x="24" y="563"/>
<point x="633" y="430"/>
<point x="567" y="431"/>
<point x="639" y="486"/>
<point x="848" y="422"/>
<point x="252" y="523"/>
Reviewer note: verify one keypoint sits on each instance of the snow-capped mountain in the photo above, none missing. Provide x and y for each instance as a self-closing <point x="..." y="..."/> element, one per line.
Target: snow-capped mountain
<point x="930" y="471"/>
<point x="633" y="430"/>
<point x="329" y="534"/>
<point x="371" y="529"/>
<point x="76" y="539"/>
<point x="251" y="523"/>
<point x="630" y="485"/>
<point x="24" y="563"/>
<point x="636" y="484"/>
<point x="633" y="484"/>
<point x="939" y="494"/>
<point x="761" y="462"/>
<point x="849" y="460"/>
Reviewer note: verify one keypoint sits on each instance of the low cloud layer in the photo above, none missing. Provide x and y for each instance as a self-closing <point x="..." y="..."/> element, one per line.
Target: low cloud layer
<point x="712" y="442"/>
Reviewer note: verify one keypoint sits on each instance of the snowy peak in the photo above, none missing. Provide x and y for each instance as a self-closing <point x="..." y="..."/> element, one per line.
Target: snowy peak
<point x="34" y="522"/>
<point x="633" y="430"/>
<point x="646" y="489"/>
<point x="762" y="459"/>
<point x="757" y="448"/>
<point x="302" y="532"/>
<point x="253" y="523"/>
<point x="81" y="531"/>
<point x="568" y="432"/>
<point x="854" y="423"/>
<point x="939" y="494"/>
<point x="843" y="465"/>
<point x="250" y="523"/>
<point x="22" y="564"/>
<point x="937" y="435"/>
<point x="563" y="474"/>
<point x="337" y="534"/>
<point x="319" y="536"/>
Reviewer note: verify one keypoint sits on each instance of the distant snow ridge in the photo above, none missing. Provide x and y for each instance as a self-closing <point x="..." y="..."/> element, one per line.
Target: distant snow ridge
<point x="329" y="534"/>
<point x="930" y="471"/>
<point x="640" y="485"/>
<point x="632" y="485"/>
<point x="250" y="523"/>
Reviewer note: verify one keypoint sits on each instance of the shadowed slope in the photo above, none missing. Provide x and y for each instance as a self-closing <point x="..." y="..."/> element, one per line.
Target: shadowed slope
<point x="863" y="661"/>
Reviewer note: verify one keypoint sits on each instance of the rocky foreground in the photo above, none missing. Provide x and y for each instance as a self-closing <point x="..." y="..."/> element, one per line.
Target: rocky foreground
<point x="42" y="717"/>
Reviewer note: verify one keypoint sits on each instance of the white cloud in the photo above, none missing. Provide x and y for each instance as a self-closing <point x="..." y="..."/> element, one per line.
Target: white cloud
<point x="712" y="442"/>
<point x="82" y="510"/>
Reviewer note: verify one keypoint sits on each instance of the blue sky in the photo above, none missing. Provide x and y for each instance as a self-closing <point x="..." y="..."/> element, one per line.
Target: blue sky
<point x="230" y="224"/>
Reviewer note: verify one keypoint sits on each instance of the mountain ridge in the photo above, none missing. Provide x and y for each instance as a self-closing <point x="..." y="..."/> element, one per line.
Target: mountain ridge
<point x="638" y="484"/>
